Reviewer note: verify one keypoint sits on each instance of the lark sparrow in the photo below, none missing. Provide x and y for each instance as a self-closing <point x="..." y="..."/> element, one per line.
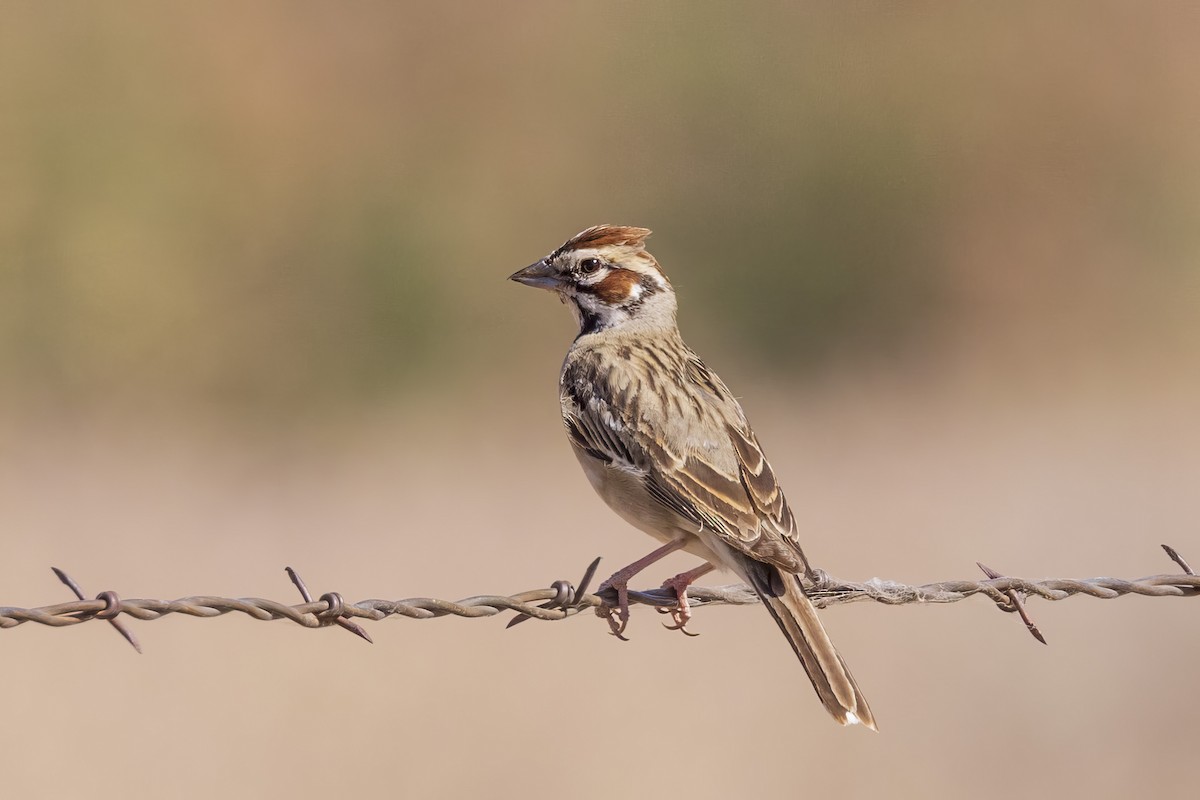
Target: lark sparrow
<point x="667" y="446"/>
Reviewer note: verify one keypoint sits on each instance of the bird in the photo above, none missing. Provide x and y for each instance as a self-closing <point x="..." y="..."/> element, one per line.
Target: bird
<point x="668" y="447"/>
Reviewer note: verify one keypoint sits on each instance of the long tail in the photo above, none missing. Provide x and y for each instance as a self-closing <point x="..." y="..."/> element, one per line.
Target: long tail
<point x="784" y="596"/>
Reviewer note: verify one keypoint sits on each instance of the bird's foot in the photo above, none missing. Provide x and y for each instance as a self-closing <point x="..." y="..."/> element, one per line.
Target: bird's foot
<point x="682" y="613"/>
<point x="616" y="616"/>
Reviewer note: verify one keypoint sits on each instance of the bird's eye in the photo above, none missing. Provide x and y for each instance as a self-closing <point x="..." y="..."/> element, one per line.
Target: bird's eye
<point x="589" y="265"/>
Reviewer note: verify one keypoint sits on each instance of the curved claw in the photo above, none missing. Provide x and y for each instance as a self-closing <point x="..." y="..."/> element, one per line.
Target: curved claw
<point x="616" y="626"/>
<point x="682" y="613"/>
<point x="617" y="616"/>
<point x="679" y="626"/>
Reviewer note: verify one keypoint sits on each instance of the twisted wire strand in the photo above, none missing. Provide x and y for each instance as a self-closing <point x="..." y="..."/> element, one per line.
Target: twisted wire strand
<point x="563" y="600"/>
<point x="830" y="591"/>
<point x="309" y="615"/>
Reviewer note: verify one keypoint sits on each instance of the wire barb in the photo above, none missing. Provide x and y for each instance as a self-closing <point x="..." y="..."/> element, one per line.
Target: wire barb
<point x="1018" y="605"/>
<point x="1178" y="559"/>
<point x="112" y="607"/>
<point x="335" y="607"/>
<point x="565" y="594"/>
<point x="562" y="600"/>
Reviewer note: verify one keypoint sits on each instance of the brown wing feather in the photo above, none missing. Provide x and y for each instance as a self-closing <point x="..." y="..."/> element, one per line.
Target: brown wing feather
<point x="768" y="532"/>
<point x="714" y="474"/>
<point x="749" y="509"/>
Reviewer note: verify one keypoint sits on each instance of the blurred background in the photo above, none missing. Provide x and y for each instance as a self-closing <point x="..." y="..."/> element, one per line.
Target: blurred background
<point x="253" y="312"/>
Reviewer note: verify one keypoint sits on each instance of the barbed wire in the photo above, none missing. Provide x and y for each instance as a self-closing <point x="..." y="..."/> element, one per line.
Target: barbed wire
<point x="563" y="599"/>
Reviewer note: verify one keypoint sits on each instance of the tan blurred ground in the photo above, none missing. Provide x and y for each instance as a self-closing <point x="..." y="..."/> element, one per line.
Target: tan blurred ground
<point x="252" y="314"/>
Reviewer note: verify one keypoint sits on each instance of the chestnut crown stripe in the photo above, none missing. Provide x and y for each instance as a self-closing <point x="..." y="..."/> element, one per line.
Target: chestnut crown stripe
<point x="607" y="236"/>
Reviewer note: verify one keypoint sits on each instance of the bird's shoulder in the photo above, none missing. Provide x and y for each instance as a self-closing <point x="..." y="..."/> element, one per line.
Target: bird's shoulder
<point x="656" y="389"/>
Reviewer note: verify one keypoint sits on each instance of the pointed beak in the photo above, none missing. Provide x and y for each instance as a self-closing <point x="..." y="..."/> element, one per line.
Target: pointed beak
<point x="540" y="275"/>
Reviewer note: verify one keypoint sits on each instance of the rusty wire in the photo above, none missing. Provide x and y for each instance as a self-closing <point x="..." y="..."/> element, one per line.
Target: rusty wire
<point x="562" y="599"/>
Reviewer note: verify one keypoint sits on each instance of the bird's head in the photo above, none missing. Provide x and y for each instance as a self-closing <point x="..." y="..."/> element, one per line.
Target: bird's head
<point x="607" y="279"/>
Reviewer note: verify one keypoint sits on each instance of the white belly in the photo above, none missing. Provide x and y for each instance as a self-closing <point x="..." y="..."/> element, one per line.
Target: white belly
<point x="626" y="494"/>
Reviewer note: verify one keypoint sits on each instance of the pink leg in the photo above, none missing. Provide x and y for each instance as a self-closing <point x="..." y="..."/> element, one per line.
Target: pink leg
<point x="620" y="581"/>
<point x="680" y="583"/>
